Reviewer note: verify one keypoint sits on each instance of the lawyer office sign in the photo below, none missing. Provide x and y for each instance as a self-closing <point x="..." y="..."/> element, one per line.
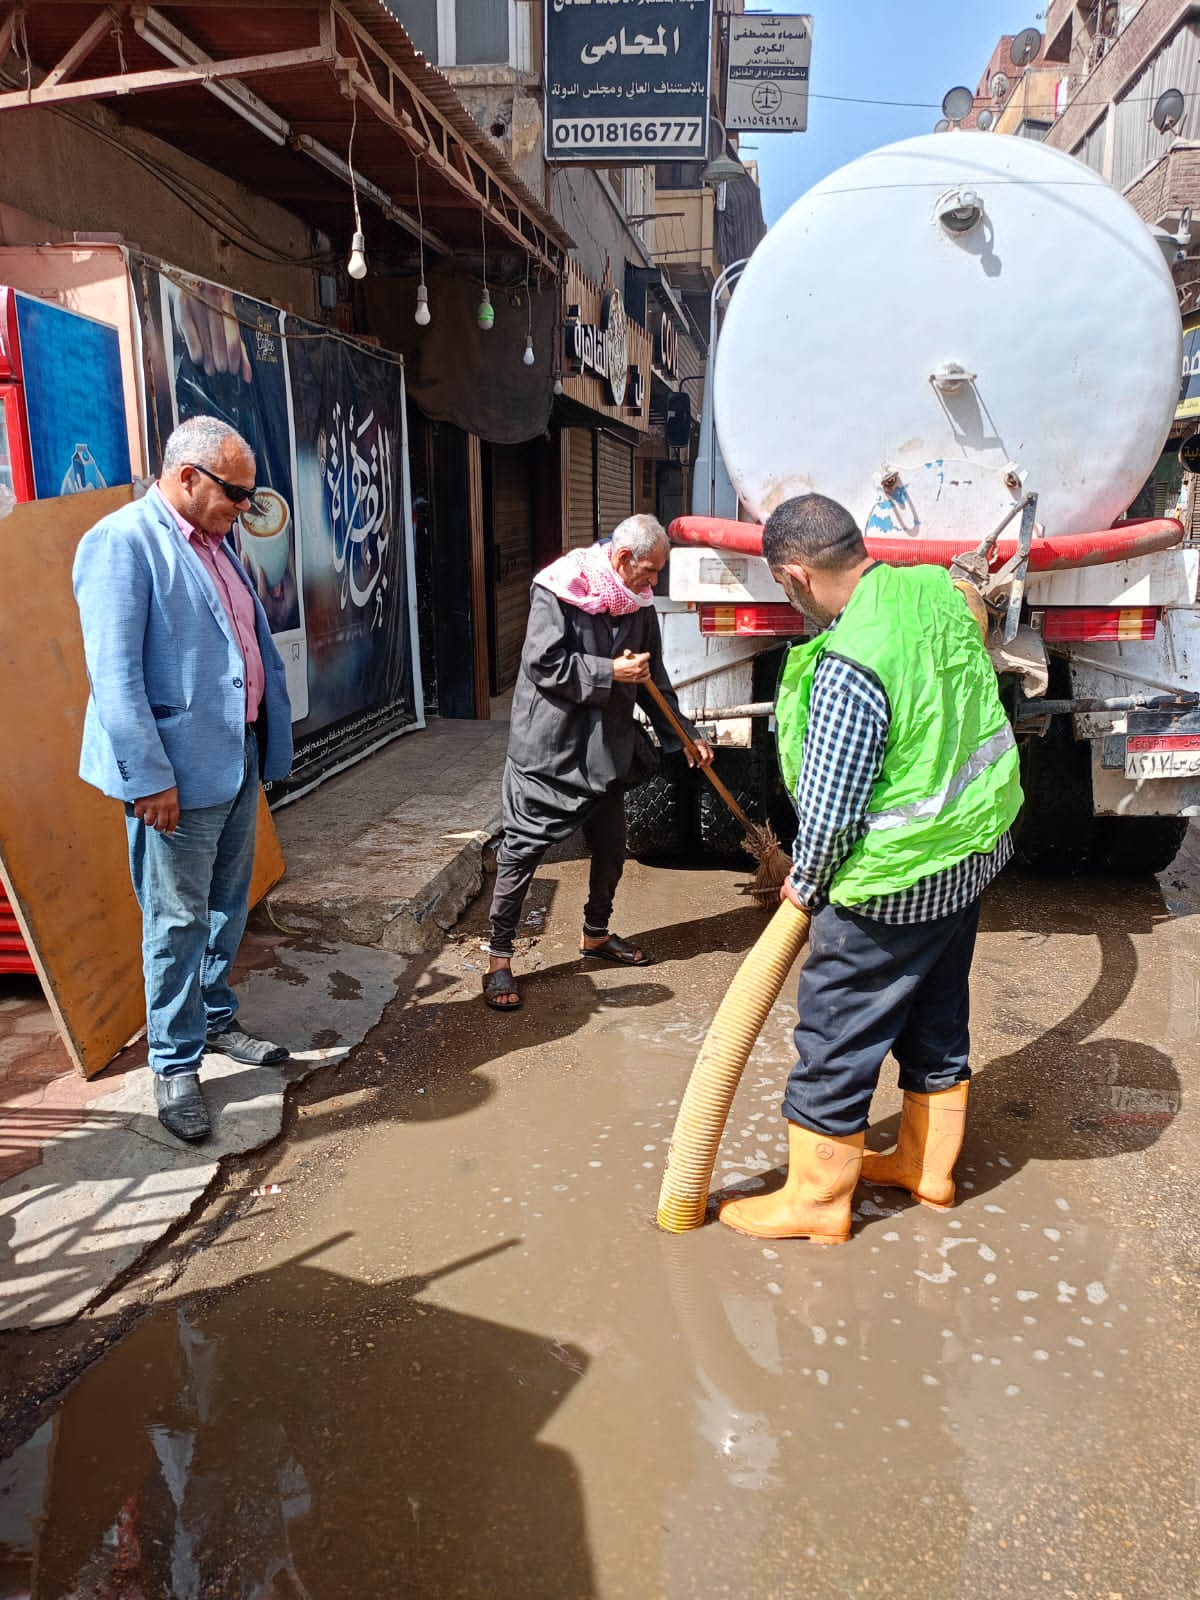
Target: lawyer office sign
<point x="627" y="81"/>
<point x="766" y="89"/>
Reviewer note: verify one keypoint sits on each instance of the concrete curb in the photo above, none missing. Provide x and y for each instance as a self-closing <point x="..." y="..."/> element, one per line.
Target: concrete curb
<point x="414" y="924"/>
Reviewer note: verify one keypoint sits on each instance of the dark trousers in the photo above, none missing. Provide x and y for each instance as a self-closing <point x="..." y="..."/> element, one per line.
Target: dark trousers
<point x="866" y="988"/>
<point x="604" y="829"/>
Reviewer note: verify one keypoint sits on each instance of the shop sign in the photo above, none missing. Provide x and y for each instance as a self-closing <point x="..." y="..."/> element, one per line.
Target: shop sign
<point x="767" y="84"/>
<point x="635" y="391"/>
<point x="1188" y="404"/>
<point x="601" y="350"/>
<point x="666" y="346"/>
<point x="627" y="82"/>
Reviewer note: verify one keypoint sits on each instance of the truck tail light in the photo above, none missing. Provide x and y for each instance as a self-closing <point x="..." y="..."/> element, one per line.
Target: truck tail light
<point x="753" y="621"/>
<point x="1089" y="624"/>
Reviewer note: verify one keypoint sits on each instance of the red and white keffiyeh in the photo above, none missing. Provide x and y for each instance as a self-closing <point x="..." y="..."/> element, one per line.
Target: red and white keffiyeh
<point x="586" y="578"/>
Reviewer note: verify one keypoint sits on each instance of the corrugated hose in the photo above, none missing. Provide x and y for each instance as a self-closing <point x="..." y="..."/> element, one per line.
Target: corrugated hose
<point x="719" y="1066"/>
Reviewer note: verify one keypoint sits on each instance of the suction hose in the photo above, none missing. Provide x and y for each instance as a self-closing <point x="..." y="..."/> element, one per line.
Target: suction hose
<point x="719" y="1066"/>
<point x="1052" y="553"/>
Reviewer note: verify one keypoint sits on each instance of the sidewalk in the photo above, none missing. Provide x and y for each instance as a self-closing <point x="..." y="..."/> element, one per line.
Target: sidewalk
<point x="382" y="859"/>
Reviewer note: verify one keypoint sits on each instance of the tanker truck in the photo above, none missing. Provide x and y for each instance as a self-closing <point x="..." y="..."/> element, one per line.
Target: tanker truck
<point x="973" y="342"/>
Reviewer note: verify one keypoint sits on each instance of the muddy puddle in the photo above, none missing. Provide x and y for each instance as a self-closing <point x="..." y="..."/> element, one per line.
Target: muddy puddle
<point x="467" y="1364"/>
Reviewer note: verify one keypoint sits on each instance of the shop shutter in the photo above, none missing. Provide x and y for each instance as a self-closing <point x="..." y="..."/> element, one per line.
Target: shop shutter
<point x="512" y="539"/>
<point x="581" y="494"/>
<point x="1193" y="511"/>
<point x="614" y="481"/>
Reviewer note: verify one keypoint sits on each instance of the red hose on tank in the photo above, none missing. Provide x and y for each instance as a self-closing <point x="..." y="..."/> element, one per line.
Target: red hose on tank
<point x="1051" y="554"/>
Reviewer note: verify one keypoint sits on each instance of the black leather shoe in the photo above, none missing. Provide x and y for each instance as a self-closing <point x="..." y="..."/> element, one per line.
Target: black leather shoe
<point x="181" y="1107"/>
<point x="244" y="1047"/>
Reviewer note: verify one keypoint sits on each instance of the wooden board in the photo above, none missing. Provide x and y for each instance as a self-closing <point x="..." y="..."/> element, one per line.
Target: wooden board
<point x="63" y="857"/>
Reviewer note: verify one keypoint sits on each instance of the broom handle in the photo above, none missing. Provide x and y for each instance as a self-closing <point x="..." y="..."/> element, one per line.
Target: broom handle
<point x="689" y="745"/>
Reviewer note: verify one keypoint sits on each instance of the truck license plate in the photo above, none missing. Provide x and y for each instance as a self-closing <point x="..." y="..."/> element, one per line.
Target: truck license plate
<point x="1163" y="755"/>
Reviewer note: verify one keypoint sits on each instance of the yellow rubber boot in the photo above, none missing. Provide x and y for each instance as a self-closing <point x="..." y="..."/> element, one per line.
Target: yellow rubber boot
<point x="931" y="1136"/>
<point x="814" y="1202"/>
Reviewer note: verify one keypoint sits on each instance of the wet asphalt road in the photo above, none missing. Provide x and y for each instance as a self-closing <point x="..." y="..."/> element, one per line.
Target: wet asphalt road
<point x="452" y="1356"/>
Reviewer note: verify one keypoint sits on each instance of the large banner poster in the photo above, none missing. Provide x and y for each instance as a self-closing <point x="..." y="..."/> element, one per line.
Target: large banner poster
<point x="330" y="549"/>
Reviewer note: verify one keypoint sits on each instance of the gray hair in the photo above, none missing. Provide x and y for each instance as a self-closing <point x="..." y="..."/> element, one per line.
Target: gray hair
<point x="199" y="439"/>
<point x="641" y="535"/>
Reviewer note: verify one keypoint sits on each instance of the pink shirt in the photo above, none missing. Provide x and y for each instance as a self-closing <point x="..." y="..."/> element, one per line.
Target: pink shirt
<point x="237" y="600"/>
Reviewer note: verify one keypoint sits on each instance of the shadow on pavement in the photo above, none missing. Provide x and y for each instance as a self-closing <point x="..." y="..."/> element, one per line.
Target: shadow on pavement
<point x="302" y="1433"/>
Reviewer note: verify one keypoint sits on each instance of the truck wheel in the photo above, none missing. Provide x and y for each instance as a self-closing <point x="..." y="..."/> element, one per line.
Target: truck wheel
<point x="1055" y="829"/>
<point x="741" y="771"/>
<point x="1132" y="846"/>
<point x="660" y="815"/>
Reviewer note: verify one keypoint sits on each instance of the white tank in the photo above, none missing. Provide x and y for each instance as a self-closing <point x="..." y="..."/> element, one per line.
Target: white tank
<point x="943" y="325"/>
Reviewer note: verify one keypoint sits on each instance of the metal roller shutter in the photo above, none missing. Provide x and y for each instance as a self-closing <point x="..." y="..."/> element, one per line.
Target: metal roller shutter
<point x="614" y="481"/>
<point x="512" y="541"/>
<point x="581" y="493"/>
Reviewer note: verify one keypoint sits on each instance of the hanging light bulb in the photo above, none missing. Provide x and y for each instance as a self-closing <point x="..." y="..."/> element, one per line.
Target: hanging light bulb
<point x="357" y="264"/>
<point x="421" y="314"/>
<point x="485" y="315"/>
<point x="528" y="358"/>
<point x="558" y="383"/>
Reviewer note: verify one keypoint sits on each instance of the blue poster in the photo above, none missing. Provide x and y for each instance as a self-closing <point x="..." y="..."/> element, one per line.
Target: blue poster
<point x="74" y="399"/>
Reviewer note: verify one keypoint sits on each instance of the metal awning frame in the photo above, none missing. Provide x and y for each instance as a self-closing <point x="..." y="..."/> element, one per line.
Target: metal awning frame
<point x="364" y="71"/>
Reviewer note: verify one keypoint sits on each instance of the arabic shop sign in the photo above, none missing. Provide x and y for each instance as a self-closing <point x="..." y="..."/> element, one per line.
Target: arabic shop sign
<point x="602" y="350"/>
<point x="767" y="82"/>
<point x="627" y="80"/>
<point x="1189" y="385"/>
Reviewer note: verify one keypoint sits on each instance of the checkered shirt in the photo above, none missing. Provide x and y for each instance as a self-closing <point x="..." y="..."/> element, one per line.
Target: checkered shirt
<point x="844" y="745"/>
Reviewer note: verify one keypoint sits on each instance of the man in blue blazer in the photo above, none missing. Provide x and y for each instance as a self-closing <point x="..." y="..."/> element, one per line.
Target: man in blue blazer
<point x="188" y="708"/>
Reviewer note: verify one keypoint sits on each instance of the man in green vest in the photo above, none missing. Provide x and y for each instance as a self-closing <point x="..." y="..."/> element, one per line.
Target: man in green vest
<point x="904" y="769"/>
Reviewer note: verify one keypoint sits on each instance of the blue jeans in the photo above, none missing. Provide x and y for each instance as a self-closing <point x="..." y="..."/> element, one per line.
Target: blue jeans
<point x="868" y="987"/>
<point x="193" y="886"/>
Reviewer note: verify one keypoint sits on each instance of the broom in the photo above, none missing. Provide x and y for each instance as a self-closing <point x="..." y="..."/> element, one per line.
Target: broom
<point x="759" y="841"/>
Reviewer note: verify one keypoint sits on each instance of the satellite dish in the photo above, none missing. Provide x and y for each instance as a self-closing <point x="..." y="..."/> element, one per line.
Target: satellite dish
<point x="1000" y="85"/>
<point x="1024" y="47"/>
<point x="985" y="120"/>
<point x="1168" y="109"/>
<point x="942" y="126"/>
<point x="959" y="103"/>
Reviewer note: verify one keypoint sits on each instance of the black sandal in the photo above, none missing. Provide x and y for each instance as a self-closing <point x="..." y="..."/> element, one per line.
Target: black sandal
<point x="501" y="983"/>
<point x="617" y="950"/>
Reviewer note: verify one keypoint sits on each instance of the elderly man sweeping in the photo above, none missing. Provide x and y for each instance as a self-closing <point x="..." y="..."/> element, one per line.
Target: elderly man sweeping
<point x="593" y="640"/>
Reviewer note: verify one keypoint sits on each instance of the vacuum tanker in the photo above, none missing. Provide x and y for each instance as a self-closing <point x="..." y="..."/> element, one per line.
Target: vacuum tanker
<point x="973" y="342"/>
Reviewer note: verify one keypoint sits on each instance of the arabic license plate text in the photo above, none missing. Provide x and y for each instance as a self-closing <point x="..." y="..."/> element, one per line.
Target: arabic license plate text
<point x="1162" y="756"/>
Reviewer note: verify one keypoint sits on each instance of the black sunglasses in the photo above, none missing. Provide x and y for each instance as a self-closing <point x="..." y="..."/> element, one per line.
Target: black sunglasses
<point x="234" y="492"/>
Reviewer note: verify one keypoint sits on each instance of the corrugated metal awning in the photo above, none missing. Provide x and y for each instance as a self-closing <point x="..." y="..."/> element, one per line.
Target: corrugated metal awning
<point x="270" y="95"/>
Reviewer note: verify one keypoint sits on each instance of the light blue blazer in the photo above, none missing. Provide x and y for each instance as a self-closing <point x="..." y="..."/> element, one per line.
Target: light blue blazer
<point x="168" y="702"/>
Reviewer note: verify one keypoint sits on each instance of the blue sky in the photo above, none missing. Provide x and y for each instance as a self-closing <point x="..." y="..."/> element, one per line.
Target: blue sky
<point x="878" y="50"/>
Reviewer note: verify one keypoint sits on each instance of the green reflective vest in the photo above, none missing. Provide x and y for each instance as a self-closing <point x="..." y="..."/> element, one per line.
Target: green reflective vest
<point x="949" y="785"/>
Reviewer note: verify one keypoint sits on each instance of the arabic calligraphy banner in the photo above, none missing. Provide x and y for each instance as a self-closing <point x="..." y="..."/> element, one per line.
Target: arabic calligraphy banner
<point x="627" y="80"/>
<point x="331" y="552"/>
